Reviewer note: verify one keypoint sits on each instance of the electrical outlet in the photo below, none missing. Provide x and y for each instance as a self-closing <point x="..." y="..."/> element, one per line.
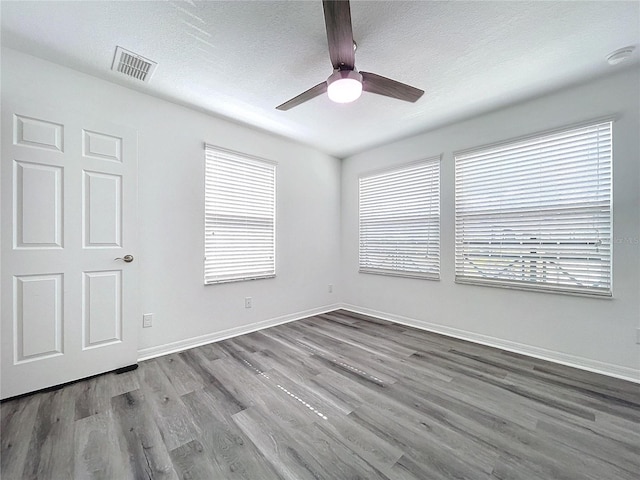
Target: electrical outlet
<point x="330" y="288"/>
<point x="248" y="302"/>
<point x="638" y="336"/>
<point x="147" y="320"/>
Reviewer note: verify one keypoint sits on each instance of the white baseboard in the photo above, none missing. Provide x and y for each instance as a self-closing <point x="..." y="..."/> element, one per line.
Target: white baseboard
<point x="582" y="363"/>
<point x="180" y="345"/>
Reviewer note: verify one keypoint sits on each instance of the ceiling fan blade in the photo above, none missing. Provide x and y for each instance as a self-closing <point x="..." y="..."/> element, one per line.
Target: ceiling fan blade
<point x="389" y="88"/>
<point x="337" y="18"/>
<point x="304" y="96"/>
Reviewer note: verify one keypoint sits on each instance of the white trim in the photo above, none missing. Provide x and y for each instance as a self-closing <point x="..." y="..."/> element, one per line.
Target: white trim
<point x="395" y="273"/>
<point x="609" y="369"/>
<point x="243" y="279"/>
<point x="543" y="133"/>
<point x="603" y="368"/>
<point x="536" y="288"/>
<point x="180" y="345"/>
<point x="215" y="148"/>
<point x="413" y="163"/>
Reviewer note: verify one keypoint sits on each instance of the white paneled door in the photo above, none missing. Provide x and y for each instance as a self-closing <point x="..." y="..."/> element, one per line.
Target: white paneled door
<point x="69" y="300"/>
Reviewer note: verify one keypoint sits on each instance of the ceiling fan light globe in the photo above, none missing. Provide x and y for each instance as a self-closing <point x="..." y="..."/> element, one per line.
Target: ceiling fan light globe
<point x="345" y="90"/>
<point x="344" y="86"/>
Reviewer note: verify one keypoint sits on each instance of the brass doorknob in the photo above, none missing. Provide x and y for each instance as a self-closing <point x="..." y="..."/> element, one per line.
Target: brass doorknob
<point x="126" y="258"/>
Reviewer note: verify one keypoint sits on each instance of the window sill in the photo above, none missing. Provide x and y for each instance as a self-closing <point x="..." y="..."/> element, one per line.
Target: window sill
<point x="391" y="273"/>
<point x="535" y="289"/>
<point x="234" y="280"/>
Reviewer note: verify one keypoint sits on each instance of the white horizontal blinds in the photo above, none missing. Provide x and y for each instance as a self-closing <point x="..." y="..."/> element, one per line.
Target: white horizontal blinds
<point x="239" y="217"/>
<point x="400" y="221"/>
<point x="537" y="213"/>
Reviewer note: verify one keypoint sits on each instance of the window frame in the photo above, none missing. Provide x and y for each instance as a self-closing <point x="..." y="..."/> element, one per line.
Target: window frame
<point x="247" y="159"/>
<point x="541" y="286"/>
<point x="435" y="276"/>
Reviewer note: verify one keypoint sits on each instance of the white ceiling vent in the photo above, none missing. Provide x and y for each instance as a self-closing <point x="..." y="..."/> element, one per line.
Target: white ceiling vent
<point x="133" y="65"/>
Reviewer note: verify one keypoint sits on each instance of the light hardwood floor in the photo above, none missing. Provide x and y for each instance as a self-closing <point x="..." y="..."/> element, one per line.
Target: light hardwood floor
<point x="337" y="396"/>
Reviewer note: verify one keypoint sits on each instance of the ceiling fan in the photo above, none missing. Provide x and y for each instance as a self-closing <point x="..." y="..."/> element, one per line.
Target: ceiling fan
<point x="346" y="84"/>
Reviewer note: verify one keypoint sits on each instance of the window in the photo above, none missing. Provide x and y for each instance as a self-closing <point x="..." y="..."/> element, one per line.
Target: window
<point x="536" y="213"/>
<point x="400" y="221"/>
<point x="239" y="222"/>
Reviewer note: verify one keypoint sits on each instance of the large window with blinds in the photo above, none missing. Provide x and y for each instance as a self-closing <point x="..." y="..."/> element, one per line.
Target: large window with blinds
<point x="399" y="215"/>
<point x="239" y="226"/>
<point x="536" y="213"/>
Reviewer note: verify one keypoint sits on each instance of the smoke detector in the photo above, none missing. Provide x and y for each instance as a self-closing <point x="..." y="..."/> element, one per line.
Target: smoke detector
<point x="620" y="55"/>
<point x="133" y="65"/>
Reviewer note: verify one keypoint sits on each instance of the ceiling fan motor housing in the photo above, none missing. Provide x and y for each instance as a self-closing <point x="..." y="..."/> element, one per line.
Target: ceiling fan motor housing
<point x="340" y="74"/>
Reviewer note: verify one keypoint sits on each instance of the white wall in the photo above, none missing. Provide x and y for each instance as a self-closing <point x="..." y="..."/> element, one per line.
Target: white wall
<point x="315" y="247"/>
<point x="171" y="206"/>
<point x="599" y="334"/>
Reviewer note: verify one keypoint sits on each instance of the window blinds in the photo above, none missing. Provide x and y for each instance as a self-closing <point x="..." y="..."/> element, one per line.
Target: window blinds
<point x="239" y="217"/>
<point x="400" y="221"/>
<point x="537" y="213"/>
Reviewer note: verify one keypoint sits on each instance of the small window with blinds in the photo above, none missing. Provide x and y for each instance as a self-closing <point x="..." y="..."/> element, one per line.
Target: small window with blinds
<point x="240" y="199"/>
<point x="399" y="218"/>
<point x="536" y="213"/>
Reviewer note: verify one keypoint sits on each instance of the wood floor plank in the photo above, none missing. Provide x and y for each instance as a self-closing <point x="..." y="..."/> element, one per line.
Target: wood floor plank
<point x="229" y="451"/>
<point x="594" y="401"/>
<point x="191" y="461"/>
<point x="347" y="338"/>
<point x="619" y="454"/>
<point x="617" y="428"/>
<point x="98" y="453"/>
<point x="303" y="397"/>
<point x="337" y="396"/>
<point x="289" y="458"/>
<point x="375" y="450"/>
<point x="622" y="389"/>
<point x="350" y="362"/>
<point x="196" y="362"/>
<point x="338" y="459"/>
<point x="169" y="413"/>
<point x="240" y="380"/>
<point x="324" y="385"/>
<point x="179" y="374"/>
<point x="423" y="453"/>
<point x="414" y="429"/>
<point x="343" y="316"/>
<point x="92" y="396"/>
<point x="51" y="443"/>
<point x="285" y="340"/>
<point x="18" y="421"/>
<point x="512" y="441"/>
<point x="257" y="389"/>
<point x="545" y="397"/>
<point x="301" y="368"/>
<point x="148" y="455"/>
<point x="123" y="382"/>
<point x="452" y="395"/>
<point x="211" y="351"/>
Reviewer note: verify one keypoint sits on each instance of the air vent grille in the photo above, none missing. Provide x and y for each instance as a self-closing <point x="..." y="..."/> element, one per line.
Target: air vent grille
<point x="133" y="65"/>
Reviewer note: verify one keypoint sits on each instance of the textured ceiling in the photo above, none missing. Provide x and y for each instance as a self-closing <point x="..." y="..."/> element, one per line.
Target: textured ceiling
<point x="240" y="59"/>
